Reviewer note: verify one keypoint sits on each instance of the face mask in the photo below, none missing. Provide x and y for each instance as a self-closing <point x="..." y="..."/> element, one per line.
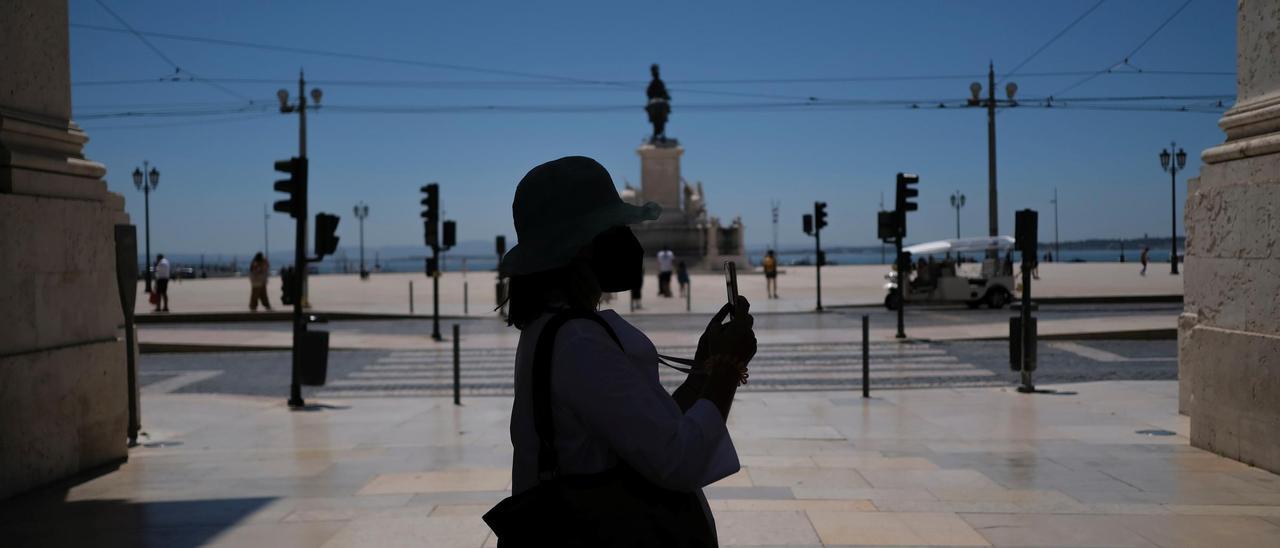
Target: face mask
<point x="616" y="259"/>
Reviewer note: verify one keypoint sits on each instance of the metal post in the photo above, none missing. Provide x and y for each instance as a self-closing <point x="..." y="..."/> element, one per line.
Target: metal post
<point x="266" y="237"/>
<point x="817" y="260"/>
<point x="992" y="206"/>
<point x="299" y="260"/>
<point x="457" y="367"/>
<point x="902" y="287"/>
<point x="1173" y="212"/>
<point x="465" y="298"/>
<point x="362" y="269"/>
<point x="410" y="297"/>
<point x="688" y="296"/>
<point x="1057" y="250"/>
<point x="866" y="356"/>
<point x="146" y="201"/>
<point x="435" y="297"/>
<point x="1025" y="313"/>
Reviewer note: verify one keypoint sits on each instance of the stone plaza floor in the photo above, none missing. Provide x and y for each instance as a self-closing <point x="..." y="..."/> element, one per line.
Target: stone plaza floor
<point x="955" y="467"/>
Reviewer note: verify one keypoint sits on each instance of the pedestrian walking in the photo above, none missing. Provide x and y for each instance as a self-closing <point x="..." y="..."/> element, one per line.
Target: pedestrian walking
<point x="1144" y="258"/>
<point x="666" y="260"/>
<point x="682" y="278"/>
<point x="259" y="271"/>
<point x="603" y="455"/>
<point x="770" y="274"/>
<point x="162" y="269"/>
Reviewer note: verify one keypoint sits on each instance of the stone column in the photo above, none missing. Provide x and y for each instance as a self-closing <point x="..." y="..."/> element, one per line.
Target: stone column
<point x="1229" y="331"/>
<point x="63" y="406"/>
<point x="660" y="175"/>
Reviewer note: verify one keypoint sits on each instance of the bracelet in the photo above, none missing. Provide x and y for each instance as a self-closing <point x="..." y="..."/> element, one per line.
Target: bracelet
<point x="716" y="362"/>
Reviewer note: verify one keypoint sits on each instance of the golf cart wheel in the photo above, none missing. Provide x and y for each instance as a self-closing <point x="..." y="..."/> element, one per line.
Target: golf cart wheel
<point x="997" y="298"/>
<point x="972" y="304"/>
<point x="892" y="301"/>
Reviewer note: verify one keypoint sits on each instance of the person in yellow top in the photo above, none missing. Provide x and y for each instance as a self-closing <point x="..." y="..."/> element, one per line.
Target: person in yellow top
<point x="771" y="274"/>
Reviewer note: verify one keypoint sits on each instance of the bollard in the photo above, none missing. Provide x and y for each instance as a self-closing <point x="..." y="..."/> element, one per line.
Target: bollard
<point x="464" y="297"/>
<point x="457" y="367"/>
<point x="867" y="357"/>
<point x="688" y="297"/>
<point x="410" y="297"/>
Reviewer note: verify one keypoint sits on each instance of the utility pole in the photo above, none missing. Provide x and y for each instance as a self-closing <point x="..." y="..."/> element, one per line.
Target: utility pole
<point x="775" y="207"/>
<point x="990" y="103"/>
<point x="361" y="211"/>
<point x="266" y="234"/>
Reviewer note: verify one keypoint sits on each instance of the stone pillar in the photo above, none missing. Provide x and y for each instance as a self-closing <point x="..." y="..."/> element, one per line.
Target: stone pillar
<point x="63" y="406"/>
<point x="660" y="175"/>
<point x="1229" y="331"/>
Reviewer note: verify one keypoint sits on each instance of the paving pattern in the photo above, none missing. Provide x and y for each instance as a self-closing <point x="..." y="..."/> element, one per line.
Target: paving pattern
<point x="776" y="367"/>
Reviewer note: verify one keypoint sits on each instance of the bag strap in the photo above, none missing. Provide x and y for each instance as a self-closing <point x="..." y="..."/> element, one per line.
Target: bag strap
<point x="548" y="467"/>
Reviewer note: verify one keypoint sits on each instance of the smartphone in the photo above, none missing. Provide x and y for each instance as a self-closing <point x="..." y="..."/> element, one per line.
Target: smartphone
<point x="731" y="283"/>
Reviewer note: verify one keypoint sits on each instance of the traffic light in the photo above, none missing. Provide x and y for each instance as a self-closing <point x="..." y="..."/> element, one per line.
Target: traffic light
<point x="819" y="215"/>
<point x="1025" y="232"/>
<point x="326" y="234"/>
<point x="431" y="214"/>
<point x="433" y="266"/>
<point x="808" y="224"/>
<point x="887" y="225"/>
<point x="295" y="186"/>
<point x="287" y="285"/>
<point x="450" y="236"/>
<point x="906" y="192"/>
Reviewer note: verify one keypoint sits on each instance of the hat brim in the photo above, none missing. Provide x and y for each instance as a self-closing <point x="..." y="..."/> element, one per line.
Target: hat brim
<point x="557" y="246"/>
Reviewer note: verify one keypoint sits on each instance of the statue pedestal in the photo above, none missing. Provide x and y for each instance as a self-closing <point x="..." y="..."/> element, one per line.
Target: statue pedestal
<point x="1229" y="332"/>
<point x="63" y="393"/>
<point x="685" y="228"/>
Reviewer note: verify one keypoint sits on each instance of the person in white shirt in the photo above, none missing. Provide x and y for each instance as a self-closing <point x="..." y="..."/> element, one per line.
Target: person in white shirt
<point x="666" y="261"/>
<point x="609" y="412"/>
<point x="162" y="283"/>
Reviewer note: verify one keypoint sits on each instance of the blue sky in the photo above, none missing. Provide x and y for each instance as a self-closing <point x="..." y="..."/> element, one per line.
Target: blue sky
<point x="216" y="170"/>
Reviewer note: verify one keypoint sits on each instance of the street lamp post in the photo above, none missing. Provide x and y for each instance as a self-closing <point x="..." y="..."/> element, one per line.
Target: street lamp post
<point x="1057" y="251"/>
<point x="957" y="202"/>
<point x="361" y="211"/>
<point x="990" y="103"/>
<point x="1173" y="163"/>
<point x="152" y="181"/>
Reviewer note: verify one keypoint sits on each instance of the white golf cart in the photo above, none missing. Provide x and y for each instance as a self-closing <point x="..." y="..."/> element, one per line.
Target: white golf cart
<point x="937" y="275"/>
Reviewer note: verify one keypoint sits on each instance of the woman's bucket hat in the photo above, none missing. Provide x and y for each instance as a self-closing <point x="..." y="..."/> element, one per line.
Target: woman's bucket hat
<point x="561" y="206"/>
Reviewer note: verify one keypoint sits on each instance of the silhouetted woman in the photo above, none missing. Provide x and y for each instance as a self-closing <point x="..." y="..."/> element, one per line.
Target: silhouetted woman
<point x="604" y="456"/>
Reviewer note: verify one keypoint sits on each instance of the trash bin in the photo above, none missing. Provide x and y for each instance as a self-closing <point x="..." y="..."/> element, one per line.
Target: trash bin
<point x="1015" y="344"/>
<point x="315" y="358"/>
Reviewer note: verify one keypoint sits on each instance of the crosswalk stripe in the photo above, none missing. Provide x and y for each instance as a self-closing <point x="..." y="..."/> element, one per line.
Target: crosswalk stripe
<point x="424" y="372"/>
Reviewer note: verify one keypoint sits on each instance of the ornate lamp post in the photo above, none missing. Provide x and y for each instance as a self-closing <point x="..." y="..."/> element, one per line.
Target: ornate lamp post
<point x="152" y="181"/>
<point x="990" y="103"/>
<point x="957" y="202"/>
<point x="361" y="210"/>
<point x="1173" y="163"/>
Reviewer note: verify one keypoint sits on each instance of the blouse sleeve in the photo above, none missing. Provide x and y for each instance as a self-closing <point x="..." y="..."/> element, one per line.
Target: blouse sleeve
<point x="635" y="415"/>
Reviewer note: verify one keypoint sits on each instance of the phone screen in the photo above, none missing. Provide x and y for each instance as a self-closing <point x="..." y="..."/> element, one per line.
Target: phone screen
<point x="731" y="282"/>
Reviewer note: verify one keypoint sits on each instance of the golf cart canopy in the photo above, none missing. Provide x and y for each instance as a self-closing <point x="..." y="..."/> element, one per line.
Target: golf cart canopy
<point x="962" y="245"/>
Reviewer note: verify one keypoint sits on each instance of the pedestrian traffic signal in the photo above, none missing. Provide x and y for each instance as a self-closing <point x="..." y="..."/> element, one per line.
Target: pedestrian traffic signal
<point x="326" y="234"/>
<point x="808" y="224"/>
<point x="819" y="215"/>
<point x="431" y="215"/>
<point x="295" y="186"/>
<point x="906" y="192"/>
<point x="288" y="285"/>
<point x="450" y="236"/>
<point x="887" y="225"/>
<point x="1025" y="232"/>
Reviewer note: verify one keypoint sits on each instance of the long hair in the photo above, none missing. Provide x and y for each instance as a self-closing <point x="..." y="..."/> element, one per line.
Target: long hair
<point x="531" y="295"/>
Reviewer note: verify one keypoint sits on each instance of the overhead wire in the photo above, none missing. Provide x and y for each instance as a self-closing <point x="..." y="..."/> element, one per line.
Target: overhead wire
<point x="1055" y="38"/>
<point x="177" y="68"/>
<point x="1125" y="60"/>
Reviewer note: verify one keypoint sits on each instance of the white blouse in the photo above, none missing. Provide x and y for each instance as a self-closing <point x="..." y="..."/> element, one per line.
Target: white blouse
<point x="607" y="404"/>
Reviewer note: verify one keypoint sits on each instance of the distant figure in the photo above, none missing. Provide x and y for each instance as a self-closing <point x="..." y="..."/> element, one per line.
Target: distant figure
<point x="162" y="283"/>
<point x="682" y="277"/>
<point x="602" y="454"/>
<point x="259" y="271"/>
<point x="636" y="294"/>
<point x="659" y="106"/>
<point x="771" y="274"/>
<point x="1007" y="267"/>
<point x="1035" y="266"/>
<point x="1143" y="258"/>
<point x="666" y="261"/>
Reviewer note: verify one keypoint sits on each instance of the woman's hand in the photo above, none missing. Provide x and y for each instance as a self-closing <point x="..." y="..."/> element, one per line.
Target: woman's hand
<point x="725" y="349"/>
